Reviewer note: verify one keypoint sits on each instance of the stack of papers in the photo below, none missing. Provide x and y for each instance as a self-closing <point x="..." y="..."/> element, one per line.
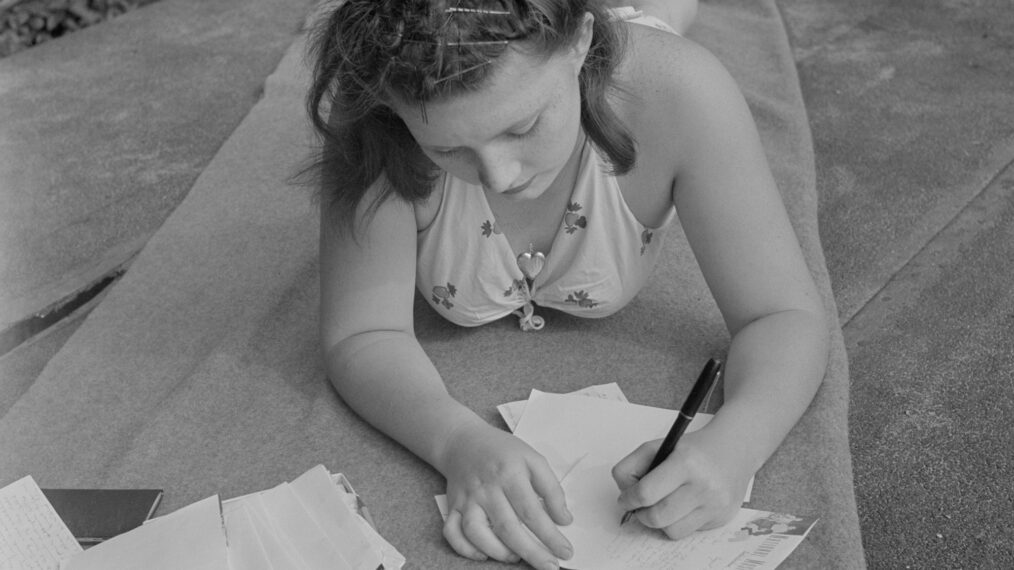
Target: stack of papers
<point x="582" y="438"/>
<point x="316" y="522"/>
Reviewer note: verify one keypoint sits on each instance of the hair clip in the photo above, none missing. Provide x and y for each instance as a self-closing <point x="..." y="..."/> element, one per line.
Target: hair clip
<point x="462" y="72"/>
<point x="458" y="44"/>
<point x="459" y="10"/>
<point x="485" y="43"/>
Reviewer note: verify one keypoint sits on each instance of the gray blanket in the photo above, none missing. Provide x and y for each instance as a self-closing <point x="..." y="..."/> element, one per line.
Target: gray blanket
<point x="200" y="371"/>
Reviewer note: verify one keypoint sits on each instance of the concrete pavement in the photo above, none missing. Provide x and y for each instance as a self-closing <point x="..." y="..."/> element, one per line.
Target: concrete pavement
<point x="911" y="106"/>
<point x="103" y="132"/>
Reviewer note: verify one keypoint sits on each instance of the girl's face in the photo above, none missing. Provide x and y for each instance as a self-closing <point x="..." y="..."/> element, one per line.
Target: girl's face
<point x="513" y="136"/>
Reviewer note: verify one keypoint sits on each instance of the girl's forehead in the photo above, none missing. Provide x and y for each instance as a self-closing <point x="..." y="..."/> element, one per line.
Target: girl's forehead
<point x="520" y="85"/>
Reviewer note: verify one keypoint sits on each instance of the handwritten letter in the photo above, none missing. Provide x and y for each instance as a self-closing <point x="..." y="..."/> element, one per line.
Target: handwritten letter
<point x="32" y="536"/>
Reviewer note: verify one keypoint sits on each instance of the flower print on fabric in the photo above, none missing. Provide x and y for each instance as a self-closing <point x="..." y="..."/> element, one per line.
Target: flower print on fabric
<point x="581" y="299"/>
<point x="442" y="295"/>
<point x="646" y="236"/>
<point x="518" y="289"/>
<point x="489" y="228"/>
<point x="572" y="220"/>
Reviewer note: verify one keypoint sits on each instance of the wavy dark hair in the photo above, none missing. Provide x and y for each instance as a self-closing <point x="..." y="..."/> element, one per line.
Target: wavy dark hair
<point x="367" y="52"/>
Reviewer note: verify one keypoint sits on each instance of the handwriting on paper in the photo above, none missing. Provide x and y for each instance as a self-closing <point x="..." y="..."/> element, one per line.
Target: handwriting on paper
<point x="32" y="536"/>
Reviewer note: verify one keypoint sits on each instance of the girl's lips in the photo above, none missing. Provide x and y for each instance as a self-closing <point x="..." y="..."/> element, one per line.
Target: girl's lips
<point x="518" y="189"/>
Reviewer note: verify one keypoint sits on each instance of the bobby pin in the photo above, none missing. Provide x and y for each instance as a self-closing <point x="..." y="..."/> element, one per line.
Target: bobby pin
<point x="486" y="43"/>
<point x="462" y="72"/>
<point x="459" y="44"/>
<point x="456" y="9"/>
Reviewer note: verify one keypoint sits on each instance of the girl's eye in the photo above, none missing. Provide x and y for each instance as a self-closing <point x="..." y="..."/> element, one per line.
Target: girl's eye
<point x="447" y="152"/>
<point x="527" y="132"/>
<point x="530" y="130"/>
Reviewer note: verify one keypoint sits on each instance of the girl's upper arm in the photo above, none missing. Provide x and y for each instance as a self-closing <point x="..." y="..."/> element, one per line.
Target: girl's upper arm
<point x="367" y="273"/>
<point x="727" y="199"/>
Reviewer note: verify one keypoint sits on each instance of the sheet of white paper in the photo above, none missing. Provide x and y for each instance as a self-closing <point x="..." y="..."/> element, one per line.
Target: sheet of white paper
<point x="192" y="537"/>
<point x="442" y="506"/>
<point x="511" y="412"/>
<point x="32" y="535"/>
<point x="565" y="429"/>
<point x="335" y="508"/>
<point x="325" y="505"/>
<point x="389" y="556"/>
<point x="279" y="552"/>
<point x="245" y="548"/>
<point x="301" y="530"/>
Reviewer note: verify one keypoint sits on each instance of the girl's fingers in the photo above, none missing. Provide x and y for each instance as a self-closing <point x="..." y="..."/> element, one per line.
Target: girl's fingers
<point x="475" y="526"/>
<point x="686" y="525"/>
<point x="456" y="538"/>
<point x="670" y="509"/>
<point x="532" y="514"/>
<point x="631" y="468"/>
<point x="656" y="485"/>
<point x="545" y="484"/>
<point x="520" y="538"/>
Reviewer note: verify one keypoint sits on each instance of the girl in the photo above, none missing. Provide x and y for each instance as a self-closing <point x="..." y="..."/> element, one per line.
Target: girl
<point x="507" y="155"/>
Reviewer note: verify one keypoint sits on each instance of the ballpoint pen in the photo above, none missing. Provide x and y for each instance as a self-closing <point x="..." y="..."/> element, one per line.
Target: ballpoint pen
<point x="686" y="415"/>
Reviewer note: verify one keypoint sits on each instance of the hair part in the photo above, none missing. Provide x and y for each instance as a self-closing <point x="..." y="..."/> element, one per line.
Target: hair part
<point x="365" y="53"/>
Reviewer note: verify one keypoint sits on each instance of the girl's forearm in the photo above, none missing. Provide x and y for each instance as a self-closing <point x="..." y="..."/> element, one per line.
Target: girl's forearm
<point x="387" y="378"/>
<point x="774" y="367"/>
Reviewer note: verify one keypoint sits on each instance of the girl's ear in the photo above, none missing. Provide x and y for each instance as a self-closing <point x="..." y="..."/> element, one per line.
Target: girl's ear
<point x="583" y="42"/>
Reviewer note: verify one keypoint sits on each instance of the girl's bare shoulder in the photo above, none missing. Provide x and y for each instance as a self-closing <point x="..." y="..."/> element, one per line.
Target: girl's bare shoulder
<point x="670" y="88"/>
<point x="666" y="78"/>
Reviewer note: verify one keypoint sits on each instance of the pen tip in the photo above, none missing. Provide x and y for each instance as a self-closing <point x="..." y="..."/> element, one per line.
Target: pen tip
<point x="626" y="517"/>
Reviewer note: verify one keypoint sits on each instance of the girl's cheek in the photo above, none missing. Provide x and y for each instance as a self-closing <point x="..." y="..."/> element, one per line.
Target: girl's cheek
<point x="458" y="168"/>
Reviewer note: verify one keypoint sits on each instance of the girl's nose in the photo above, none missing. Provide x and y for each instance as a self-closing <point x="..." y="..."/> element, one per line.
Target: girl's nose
<point x="499" y="171"/>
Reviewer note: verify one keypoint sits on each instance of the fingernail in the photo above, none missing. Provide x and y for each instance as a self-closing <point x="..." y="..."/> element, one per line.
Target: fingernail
<point x="549" y="565"/>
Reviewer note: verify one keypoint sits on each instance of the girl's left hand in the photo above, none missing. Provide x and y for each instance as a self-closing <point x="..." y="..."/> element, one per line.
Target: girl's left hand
<point x="696" y="488"/>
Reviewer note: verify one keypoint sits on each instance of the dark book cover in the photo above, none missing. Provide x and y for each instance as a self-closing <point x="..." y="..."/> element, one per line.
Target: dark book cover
<point x="94" y="515"/>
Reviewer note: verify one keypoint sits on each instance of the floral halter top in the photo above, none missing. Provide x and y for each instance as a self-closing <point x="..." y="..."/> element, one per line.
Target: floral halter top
<point x="600" y="257"/>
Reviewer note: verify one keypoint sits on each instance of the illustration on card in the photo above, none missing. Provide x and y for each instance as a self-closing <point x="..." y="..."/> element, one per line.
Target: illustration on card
<point x="774" y="523"/>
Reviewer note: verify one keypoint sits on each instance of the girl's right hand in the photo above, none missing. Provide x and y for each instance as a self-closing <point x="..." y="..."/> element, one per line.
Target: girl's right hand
<point x="503" y="499"/>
